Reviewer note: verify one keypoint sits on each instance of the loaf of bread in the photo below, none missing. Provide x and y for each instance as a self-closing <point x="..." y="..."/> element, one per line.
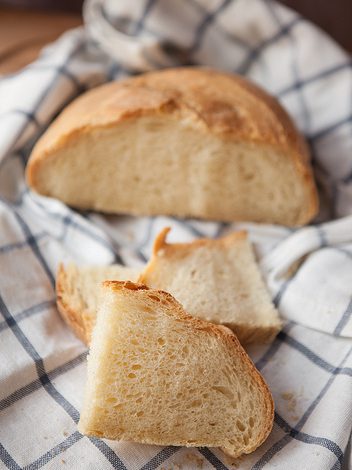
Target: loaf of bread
<point x="183" y="142"/>
<point x="217" y="280"/>
<point x="78" y="291"/>
<point x="157" y="375"/>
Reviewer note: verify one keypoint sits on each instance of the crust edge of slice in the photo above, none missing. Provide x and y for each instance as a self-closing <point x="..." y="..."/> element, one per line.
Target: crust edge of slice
<point x="76" y="321"/>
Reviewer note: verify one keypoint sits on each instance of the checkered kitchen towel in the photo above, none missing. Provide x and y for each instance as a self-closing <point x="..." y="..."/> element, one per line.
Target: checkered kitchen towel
<point x="309" y="270"/>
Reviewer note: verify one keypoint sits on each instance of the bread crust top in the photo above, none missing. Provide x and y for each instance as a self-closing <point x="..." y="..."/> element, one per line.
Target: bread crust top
<point x="220" y="103"/>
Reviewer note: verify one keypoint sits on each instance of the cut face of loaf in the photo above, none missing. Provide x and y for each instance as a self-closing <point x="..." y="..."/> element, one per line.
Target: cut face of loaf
<point x="217" y="280"/>
<point x="78" y="291"/>
<point x="156" y="375"/>
<point x="183" y="142"/>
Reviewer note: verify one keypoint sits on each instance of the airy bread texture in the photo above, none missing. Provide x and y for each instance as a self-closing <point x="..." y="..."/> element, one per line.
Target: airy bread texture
<point x="157" y="375"/>
<point x="217" y="280"/>
<point x="78" y="292"/>
<point x="184" y="142"/>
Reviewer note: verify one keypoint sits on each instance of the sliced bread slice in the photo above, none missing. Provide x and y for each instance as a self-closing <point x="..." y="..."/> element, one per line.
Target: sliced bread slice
<point x="77" y="290"/>
<point x="217" y="280"/>
<point x="157" y="375"/>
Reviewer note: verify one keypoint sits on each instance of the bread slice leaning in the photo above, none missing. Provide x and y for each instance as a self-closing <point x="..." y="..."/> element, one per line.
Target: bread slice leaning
<point x="217" y="280"/>
<point x="78" y="290"/>
<point x="236" y="154"/>
<point x="157" y="375"/>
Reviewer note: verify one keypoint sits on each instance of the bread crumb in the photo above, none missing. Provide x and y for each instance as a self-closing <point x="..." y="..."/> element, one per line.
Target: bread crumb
<point x="174" y="466"/>
<point x="235" y="463"/>
<point x="130" y="235"/>
<point x="232" y="463"/>
<point x="291" y="399"/>
<point x="65" y="433"/>
<point x="196" y="459"/>
<point x="63" y="461"/>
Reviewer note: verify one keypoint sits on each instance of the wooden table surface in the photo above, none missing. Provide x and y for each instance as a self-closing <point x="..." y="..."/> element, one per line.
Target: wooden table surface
<point x="23" y="32"/>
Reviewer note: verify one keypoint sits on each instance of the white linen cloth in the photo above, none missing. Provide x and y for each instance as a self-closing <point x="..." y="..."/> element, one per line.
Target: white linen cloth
<point x="308" y="270"/>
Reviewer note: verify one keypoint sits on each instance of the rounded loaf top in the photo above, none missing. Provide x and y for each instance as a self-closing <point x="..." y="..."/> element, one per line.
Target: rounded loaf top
<point x="223" y="103"/>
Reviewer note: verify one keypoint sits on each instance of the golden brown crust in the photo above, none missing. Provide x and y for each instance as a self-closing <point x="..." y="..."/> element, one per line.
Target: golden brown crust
<point x="81" y="325"/>
<point x="221" y="332"/>
<point x="224" y="104"/>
